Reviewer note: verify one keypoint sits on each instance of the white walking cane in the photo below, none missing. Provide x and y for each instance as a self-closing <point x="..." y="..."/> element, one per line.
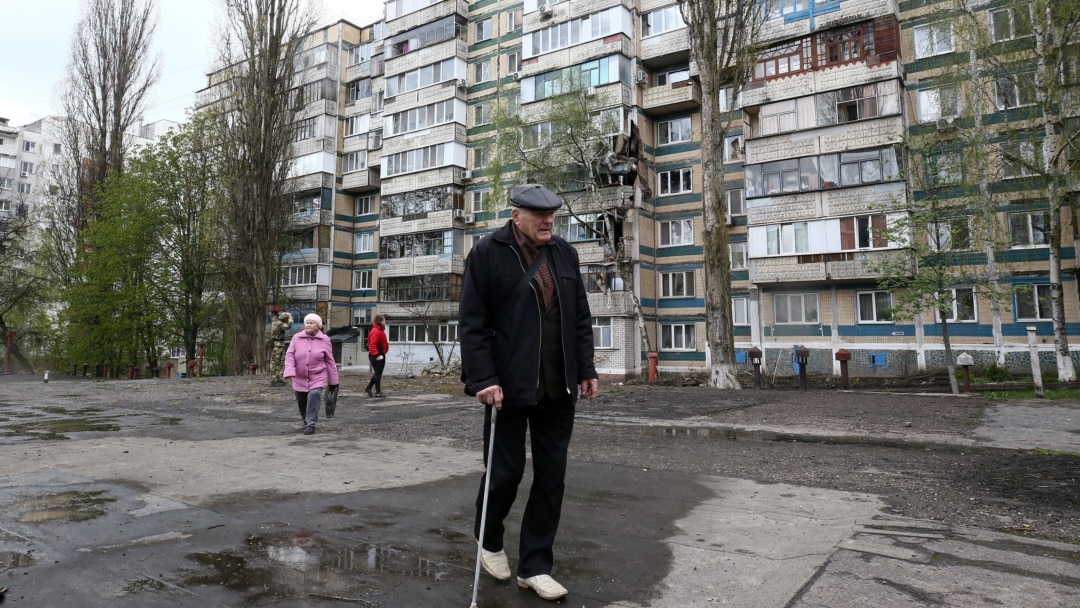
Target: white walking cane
<point x="484" y="508"/>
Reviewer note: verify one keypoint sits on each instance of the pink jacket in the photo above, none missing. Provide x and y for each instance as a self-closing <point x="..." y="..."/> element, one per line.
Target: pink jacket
<point x="310" y="362"/>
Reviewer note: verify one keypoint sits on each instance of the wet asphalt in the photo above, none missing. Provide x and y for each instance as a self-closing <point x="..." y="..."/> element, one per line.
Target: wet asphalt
<point x="157" y="493"/>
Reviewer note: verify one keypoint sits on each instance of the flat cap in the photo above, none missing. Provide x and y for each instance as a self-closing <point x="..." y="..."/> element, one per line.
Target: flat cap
<point x="535" y="198"/>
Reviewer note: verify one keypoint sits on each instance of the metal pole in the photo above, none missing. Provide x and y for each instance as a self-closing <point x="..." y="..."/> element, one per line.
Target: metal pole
<point x="484" y="507"/>
<point x="7" y="353"/>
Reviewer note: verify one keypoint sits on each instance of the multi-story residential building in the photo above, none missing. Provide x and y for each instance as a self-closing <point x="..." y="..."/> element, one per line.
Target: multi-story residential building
<point x="814" y="174"/>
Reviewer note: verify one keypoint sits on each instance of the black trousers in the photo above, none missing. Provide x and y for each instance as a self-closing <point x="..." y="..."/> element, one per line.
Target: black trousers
<point x="377" y="367"/>
<point x="549" y="424"/>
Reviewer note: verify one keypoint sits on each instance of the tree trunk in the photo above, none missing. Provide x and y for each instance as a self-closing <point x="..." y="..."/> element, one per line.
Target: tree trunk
<point x="950" y="362"/>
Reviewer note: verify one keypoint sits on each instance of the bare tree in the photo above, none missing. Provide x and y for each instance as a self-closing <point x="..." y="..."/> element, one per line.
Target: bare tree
<point x="109" y="76"/>
<point x="722" y="36"/>
<point x="255" y="109"/>
<point x="23" y="284"/>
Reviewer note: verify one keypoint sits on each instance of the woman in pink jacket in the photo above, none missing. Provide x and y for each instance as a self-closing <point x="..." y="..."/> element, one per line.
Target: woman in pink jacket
<point x="310" y="363"/>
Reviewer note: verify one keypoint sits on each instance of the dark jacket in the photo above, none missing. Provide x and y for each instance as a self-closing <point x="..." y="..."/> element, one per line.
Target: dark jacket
<point x="499" y="327"/>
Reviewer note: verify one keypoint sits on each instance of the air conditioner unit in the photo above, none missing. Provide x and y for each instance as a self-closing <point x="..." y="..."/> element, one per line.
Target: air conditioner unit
<point x="470" y="218"/>
<point x="459" y="213"/>
<point x="590" y="91"/>
<point x="545" y="12"/>
<point x="515" y="75"/>
<point x="462" y="83"/>
<point x="945" y="123"/>
<point x="466" y="174"/>
<point x="641" y="78"/>
<point x="24" y="174"/>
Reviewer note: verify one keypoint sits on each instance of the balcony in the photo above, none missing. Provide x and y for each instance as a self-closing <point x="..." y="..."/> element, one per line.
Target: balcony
<point x="441" y="176"/>
<point x="601" y="199"/>
<point x="358" y="71"/>
<point x="318" y="108"/>
<point x="437" y="309"/>
<point x="581" y="53"/>
<point x="830" y="267"/>
<point x="306" y="256"/>
<point x="454" y="47"/>
<point x="440" y="134"/>
<point x="307" y="293"/>
<point x="360" y="180"/>
<point x="435" y="93"/>
<point x="671" y="98"/>
<point x="665" y="49"/>
<point x="426" y="222"/>
<point x="415" y="19"/>
<point x="313" y="145"/>
<point x="421" y="265"/>
<point x="611" y="303"/>
<point x="818" y="81"/>
<point x="312" y="181"/>
<point x="309" y="219"/>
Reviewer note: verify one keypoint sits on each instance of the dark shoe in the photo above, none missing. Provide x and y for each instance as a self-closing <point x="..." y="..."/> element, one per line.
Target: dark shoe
<point x="380" y="395"/>
<point x="368" y="391"/>
<point x="309" y="430"/>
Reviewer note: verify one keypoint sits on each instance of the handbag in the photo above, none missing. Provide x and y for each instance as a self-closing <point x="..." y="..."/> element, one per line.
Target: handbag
<point x="331" y="400"/>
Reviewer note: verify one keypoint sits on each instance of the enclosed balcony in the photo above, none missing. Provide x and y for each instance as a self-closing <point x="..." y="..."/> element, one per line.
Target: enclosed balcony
<point x="684" y="95"/>
<point x="822" y="267"/>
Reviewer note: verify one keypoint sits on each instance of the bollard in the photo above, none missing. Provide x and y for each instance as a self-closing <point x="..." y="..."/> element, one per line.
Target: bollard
<point x="653" y="358"/>
<point x="843" y="356"/>
<point x="168" y="369"/>
<point x="965" y="361"/>
<point x="46" y="376"/>
<point x="131" y="371"/>
<point x="802" y="355"/>
<point x="253" y="369"/>
<point x="1036" y="368"/>
<point x="755" y="358"/>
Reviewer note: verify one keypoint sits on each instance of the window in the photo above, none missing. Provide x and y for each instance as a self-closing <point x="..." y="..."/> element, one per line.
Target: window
<point x="944" y="169"/>
<point x="352" y="162"/>
<point x="786" y="239"/>
<point x="29" y="146"/>
<point x="513" y="62"/>
<point x="537" y="135"/>
<point x="821" y="172"/>
<point x="677" y="336"/>
<point x="783" y="60"/>
<point x="677" y="284"/>
<point x="866" y="167"/>
<point x="676" y="181"/>
<point x="863" y="232"/>
<point x="27" y="168"/>
<point x="481" y="157"/>
<point x="1011" y="22"/>
<point x="478" y="198"/>
<point x="421" y="77"/>
<point x="482" y="71"/>
<point x="673" y="131"/>
<point x="601" y="332"/>
<point x="357" y="89"/>
<point x="874" y="306"/>
<point x="355" y="125"/>
<point x="1020" y="159"/>
<point x="481" y="114"/>
<point x="1033" y="302"/>
<point x="664" y="20"/>
<point x="733" y="149"/>
<point x="738" y="255"/>
<point x="361" y="316"/>
<point x="420" y="118"/>
<point x="676" y="232"/>
<point x="56" y="148"/>
<point x="1014" y="90"/>
<point x="24" y="188"/>
<point x="736" y="205"/>
<point x="583" y="227"/>
<point x="299" y="275"/>
<point x="727" y="99"/>
<point x="849" y="44"/>
<point x="949" y="234"/>
<point x="514" y="20"/>
<point x="439" y="287"/>
<point x="417" y="159"/>
<point x="364" y="243"/>
<point x="375" y="141"/>
<point x="448" y="332"/>
<point x="7" y="162"/>
<point x="365" y="205"/>
<point x="360" y="53"/>
<point x="740" y="311"/>
<point x="362" y="279"/>
<point x="1029" y="229"/>
<point x="482" y="30"/>
<point x="962" y="305"/>
<point x="795" y="308"/>
<point x="599" y="278"/>
<point x="7" y="183"/>
<point x="933" y="39"/>
<point x="672" y="76"/>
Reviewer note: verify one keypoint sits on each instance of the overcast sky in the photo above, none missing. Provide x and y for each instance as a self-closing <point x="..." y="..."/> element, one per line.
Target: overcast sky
<point x="37" y="36"/>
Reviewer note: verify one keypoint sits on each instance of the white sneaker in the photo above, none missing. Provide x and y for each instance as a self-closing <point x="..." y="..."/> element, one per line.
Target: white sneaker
<point x="544" y="586"/>
<point x="495" y="564"/>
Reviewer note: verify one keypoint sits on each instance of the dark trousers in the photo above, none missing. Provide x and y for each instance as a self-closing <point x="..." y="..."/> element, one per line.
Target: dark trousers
<point x="377" y="367"/>
<point x="549" y="424"/>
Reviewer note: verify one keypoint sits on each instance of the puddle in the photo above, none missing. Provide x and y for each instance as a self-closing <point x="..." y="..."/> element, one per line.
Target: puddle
<point x="693" y="433"/>
<point x="59" y="428"/>
<point x="14" y="559"/>
<point x="302" y="564"/>
<point x="68" y="506"/>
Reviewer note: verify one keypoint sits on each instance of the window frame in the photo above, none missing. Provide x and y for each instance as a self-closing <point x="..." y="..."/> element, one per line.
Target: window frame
<point x="668" y="284"/>
<point x="673" y="333"/>
<point x="604" y="331"/>
<point x="1030" y="229"/>
<point x="936" y="39"/>
<point x="787" y="233"/>
<point x="740" y="303"/>
<point x="482" y="30"/>
<point x="734" y="255"/>
<point x="803" y="299"/>
<point x="364" y="242"/>
<point x="955" y="298"/>
<point x="1010" y="11"/>
<point x="685" y="182"/>
<point x="1036" y="304"/>
<point x="683" y="131"/>
<point x="363" y="280"/>
<point x="880" y="315"/>
<point x="364" y="208"/>
<point x="685" y="236"/>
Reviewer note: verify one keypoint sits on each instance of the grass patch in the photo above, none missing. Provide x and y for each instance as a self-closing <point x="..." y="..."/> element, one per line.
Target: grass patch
<point x="1029" y="393"/>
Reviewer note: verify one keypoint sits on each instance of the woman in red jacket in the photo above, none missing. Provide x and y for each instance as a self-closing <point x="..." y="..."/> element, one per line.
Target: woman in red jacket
<point x="377" y="346"/>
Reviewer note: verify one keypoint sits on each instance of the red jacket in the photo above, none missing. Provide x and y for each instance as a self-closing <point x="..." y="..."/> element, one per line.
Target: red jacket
<point x="377" y="344"/>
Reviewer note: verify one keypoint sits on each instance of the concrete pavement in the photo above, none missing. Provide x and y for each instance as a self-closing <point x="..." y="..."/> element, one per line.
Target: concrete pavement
<point x="146" y="507"/>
